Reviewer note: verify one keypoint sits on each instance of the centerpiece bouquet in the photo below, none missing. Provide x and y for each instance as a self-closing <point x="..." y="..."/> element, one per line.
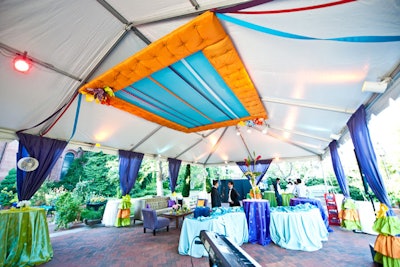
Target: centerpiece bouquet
<point x="251" y="173"/>
<point x="176" y="208"/>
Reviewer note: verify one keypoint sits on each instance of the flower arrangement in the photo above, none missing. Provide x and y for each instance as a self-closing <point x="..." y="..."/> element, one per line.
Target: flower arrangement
<point x="176" y="207"/>
<point x="251" y="173"/>
<point x="23" y="204"/>
<point x="100" y="95"/>
<point x="97" y="199"/>
<point x="252" y="123"/>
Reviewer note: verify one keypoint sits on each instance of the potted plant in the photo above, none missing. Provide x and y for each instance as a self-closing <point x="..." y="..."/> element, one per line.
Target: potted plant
<point x="67" y="210"/>
<point x="91" y="216"/>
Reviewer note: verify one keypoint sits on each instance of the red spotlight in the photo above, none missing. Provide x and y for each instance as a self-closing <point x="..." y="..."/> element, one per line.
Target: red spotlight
<point x="22" y="63"/>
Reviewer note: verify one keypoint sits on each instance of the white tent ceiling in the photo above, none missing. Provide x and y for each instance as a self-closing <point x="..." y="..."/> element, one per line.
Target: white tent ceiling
<point x="309" y="88"/>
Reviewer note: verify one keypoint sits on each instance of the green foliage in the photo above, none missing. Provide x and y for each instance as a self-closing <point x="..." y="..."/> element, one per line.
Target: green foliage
<point x="92" y="174"/>
<point x="208" y="181"/>
<point x="90" y="213"/>
<point x="318" y="181"/>
<point x="8" y="188"/>
<point x="186" y="182"/>
<point x="356" y="193"/>
<point x="67" y="210"/>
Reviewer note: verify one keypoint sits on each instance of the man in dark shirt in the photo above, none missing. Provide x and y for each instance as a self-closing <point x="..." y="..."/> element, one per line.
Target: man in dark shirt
<point x="277" y="189"/>
<point x="215" y="197"/>
<point x="233" y="196"/>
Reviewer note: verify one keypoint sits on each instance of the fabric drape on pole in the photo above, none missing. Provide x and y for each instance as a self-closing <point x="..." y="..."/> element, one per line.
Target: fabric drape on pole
<point x="366" y="155"/>
<point x="338" y="168"/>
<point x="47" y="151"/>
<point x="386" y="224"/>
<point x="173" y="167"/>
<point x="261" y="167"/>
<point x="129" y="164"/>
<point x="349" y="216"/>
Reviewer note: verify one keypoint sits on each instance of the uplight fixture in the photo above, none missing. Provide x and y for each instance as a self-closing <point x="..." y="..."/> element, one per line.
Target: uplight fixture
<point x="22" y="63"/>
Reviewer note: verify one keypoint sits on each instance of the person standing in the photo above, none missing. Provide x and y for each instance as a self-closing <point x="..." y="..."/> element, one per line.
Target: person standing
<point x="233" y="196"/>
<point x="300" y="190"/>
<point x="215" y="197"/>
<point x="278" y="191"/>
<point x="289" y="187"/>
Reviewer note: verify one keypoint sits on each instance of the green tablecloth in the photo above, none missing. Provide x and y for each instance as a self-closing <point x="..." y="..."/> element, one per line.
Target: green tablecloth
<point x="270" y="196"/>
<point x="24" y="237"/>
<point x="286" y="198"/>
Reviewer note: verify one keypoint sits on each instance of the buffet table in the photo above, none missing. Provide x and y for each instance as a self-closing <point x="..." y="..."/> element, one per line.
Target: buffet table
<point x="317" y="203"/>
<point x="298" y="228"/>
<point x="257" y="215"/>
<point x="230" y="222"/>
<point x="24" y="237"/>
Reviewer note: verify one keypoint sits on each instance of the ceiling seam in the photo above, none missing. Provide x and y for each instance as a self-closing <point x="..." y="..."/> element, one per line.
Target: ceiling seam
<point x="214" y="148"/>
<point x="306" y="105"/>
<point x="146" y="138"/>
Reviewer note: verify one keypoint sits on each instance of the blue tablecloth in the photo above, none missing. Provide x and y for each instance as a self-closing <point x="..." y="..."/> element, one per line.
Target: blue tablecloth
<point x="257" y="215"/>
<point x="316" y="202"/>
<point x="230" y="222"/>
<point x="298" y="228"/>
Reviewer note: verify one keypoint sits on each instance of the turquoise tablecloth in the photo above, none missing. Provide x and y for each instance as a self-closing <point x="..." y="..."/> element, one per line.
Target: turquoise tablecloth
<point x="298" y="228"/>
<point x="230" y="222"/>
<point x="317" y="203"/>
<point x="24" y="237"/>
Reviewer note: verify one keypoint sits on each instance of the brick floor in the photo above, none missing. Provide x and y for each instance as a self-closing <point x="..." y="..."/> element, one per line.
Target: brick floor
<point x="129" y="246"/>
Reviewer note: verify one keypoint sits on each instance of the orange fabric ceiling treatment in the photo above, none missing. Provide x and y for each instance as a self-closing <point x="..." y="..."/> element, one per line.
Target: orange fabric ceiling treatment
<point x="204" y="33"/>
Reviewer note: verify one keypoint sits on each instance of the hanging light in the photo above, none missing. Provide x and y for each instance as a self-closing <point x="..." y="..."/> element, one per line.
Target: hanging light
<point x="22" y="63"/>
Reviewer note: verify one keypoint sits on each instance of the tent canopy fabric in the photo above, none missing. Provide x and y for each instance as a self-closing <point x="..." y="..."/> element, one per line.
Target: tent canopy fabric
<point x="306" y="62"/>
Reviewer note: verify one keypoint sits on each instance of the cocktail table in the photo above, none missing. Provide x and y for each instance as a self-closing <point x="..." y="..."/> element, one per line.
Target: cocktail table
<point x="176" y="215"/>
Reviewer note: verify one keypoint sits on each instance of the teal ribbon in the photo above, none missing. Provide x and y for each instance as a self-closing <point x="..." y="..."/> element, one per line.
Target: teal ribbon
<point x="353" y="39"/>
<point x="78" y="108"/>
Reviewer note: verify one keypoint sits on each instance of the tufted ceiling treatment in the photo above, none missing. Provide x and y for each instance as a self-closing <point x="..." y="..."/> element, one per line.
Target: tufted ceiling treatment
<point x="204" y="81"/>
<point x="190" y="80"/>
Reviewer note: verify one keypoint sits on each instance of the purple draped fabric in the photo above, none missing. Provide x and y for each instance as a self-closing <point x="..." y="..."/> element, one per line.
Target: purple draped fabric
<point x="316" y="202"/>
<point x="337" y="167"/>
<point x="258" y="220"/>
<point x="47" y="151"/>
<point x="261" y="167"/>
<point x="365" y="153"/>
<point x="173" y="167"/>
<point x="129" y="164"/>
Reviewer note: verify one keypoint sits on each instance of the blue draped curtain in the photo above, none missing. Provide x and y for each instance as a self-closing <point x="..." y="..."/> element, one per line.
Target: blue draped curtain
<point x="359" y="132"/>
<point x="47" y="151"/>
<point x="173" y="167"/>
<point x="129" y="164"/>
<point x="261" y="167"/>
<point x="337" y="167"/>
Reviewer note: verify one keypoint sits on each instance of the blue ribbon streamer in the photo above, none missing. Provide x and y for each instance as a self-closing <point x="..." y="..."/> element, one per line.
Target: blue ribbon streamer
<point x="353" y="39"/>
<point x="78" y="108"/>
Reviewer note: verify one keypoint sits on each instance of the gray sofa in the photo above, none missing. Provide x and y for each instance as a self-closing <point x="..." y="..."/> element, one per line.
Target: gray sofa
<point x="157" y="203"/>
